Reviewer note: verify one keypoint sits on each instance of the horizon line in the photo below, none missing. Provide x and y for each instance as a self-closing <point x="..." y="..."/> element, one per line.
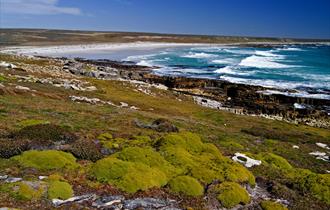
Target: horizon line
<point x="166" y="33"/>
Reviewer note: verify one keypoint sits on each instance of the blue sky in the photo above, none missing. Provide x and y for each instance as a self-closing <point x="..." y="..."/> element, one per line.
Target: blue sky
<point x="271" y="18"/>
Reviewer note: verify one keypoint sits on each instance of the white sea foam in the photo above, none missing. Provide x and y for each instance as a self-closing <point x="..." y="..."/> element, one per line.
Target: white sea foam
<point x="239" y="51"/>
<point x="268" y="54"/>
<point x="290" y="49"/>
<point x="223" y="61"/>
<point x="144" y="63"/>
<point x="209" y="49"/>
<point x="277" y="84"/>
<point x="231" y="71"/>
<point x="263" y="62"/>
<point x="198" y="55"/>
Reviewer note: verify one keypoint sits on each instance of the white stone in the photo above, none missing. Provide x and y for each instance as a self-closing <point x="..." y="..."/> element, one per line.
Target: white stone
<point x="295" y="147"/>
<point x="207" y="102"/>
<point x="298" y="106"/>
<point x="91" y="88"/>
<point x="42" y="177"/>
<point x="3" y="177"/>
<point x="134" y="107"/>
<point x="22" y="88"/>
<point x="322" y="145"/>
<point x="13" y="180"/>
<point x="58" y="202"/>
<point x="320" y="155"/>
<point x="7" y="65"/>
<point x="249" y="161"/>
<point x="123" y="104"/>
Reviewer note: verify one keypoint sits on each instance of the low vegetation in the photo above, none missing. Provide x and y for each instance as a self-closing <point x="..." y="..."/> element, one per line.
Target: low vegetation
<point x="84" y="148"/>
<point x="231" y="194"/>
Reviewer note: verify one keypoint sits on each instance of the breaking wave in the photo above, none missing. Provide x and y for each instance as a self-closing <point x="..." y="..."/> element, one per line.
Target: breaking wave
<point x="263" y="62"/>
<point x="231" y="71"/>
<point x="198" y="55"/>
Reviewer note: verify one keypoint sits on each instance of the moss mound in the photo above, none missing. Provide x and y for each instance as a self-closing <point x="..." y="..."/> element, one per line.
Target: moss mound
<point x="186" y="185"/>
<point x="179" y="154"/>
<point x="59" y="190"/>
<point x="200" y="160"/>
<point x="275" y="161"/>
<point x="232" y="194"/>
<point x="270" y="205"/>
<point x="148" y="157"/>
<point x="306" y="181"/>
<point x="26" y="192"/>
<point x="105" y="137"/>
<point x="128" y="176"/>
<point x="46" y="160"/>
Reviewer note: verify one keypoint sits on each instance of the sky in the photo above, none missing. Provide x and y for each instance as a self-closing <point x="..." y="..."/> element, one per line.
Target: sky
<point x="262" y="18"/>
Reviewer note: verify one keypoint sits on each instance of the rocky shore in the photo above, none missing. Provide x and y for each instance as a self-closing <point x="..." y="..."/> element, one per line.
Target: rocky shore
<point x="237" y="98"/>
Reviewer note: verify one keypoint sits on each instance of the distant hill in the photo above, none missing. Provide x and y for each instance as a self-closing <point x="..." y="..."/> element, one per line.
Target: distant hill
<point x="10" y="37"/>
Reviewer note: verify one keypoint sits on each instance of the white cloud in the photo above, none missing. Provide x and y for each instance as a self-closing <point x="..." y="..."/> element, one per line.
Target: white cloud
<point x="36" y="7"/>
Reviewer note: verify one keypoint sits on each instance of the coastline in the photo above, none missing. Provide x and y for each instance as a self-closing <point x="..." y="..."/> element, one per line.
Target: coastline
<point x="238" y="98"/>
<point x="92" y="97"/>
<point x="44" y="50"/>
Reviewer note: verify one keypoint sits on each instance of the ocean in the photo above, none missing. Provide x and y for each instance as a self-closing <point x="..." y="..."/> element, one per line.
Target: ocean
<point x="304" y="68"/>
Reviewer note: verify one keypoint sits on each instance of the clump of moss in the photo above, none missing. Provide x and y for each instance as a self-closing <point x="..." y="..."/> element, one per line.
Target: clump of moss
<point x="59" y="190"/>
<point x="55" y="177"/>
<point x="10" y="148"/>
<point x="32" y="122"/>
<point x="3" y="78"/>
<point x="149" y="157"/>
<point x="86" y="150"/>
<point x="26" y="192"/>
<point x="128" y="176"/>
<point x="232" y="194"/>
<point x="189" y="141"/>
<point x="44" y="134"/>
<point x="270" y="205"/>
<point x="105" y="137"/>
<point x="275" y="161"/>
<point x="186" y="185"/>
<point x="46" y="160"/>
<point x="321" y="189"/>
<point x="200" y="160"/>
<point x="318" y="185"/>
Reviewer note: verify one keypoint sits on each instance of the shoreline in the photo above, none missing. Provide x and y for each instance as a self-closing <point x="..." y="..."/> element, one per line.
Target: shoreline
<point x="120" y="51"/>
<point x="238" y="98"/>
<point x="76" y="48"/>
<point x="241" y="99"/>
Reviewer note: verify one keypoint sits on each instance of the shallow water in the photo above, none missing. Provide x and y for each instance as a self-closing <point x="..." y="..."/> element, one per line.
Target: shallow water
<point x="304" y="68"/>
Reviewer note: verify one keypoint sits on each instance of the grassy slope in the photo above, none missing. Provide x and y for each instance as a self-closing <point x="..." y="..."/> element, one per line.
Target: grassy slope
<point x="224" y="129"/>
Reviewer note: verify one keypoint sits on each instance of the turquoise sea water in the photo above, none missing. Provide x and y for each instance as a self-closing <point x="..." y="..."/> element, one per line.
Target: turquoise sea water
<point x="303" y="68"/>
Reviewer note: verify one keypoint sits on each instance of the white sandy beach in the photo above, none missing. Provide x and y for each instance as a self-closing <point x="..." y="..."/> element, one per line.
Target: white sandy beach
<point x="90" y="48"/>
